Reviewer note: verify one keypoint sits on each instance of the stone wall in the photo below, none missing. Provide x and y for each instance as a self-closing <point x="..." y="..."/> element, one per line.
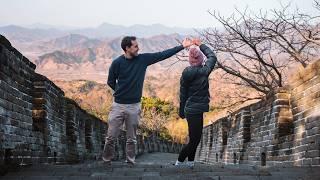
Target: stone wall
<point x="49" y="121"/>
<point x="38" y="124"/>
<point x="305" y="104"/>
<point x="16" y="76"/>
<point x="281" y="130"/>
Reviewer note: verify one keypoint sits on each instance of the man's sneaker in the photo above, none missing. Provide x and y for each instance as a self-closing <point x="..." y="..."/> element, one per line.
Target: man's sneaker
<point x="130" y="163"/>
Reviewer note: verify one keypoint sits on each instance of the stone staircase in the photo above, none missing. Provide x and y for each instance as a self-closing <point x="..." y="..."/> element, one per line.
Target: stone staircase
<point x="156" y="166"/>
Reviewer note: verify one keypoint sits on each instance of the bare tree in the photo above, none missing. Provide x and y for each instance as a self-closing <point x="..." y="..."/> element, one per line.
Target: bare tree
<point x="293" y="33"/>
<point x="245" y="53"/>
<point x="296" y="33"/>
<point x="255" y="50"/>
<point x="317" y="4"/>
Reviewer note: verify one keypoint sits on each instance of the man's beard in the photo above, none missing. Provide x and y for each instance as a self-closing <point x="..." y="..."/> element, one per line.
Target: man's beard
<point x="134" y="54"/>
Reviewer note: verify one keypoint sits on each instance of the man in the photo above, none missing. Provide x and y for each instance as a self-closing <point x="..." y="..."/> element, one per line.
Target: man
<point x="126" y="76"/>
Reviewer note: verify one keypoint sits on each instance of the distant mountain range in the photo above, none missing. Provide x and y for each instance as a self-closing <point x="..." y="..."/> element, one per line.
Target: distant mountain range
<point x="22" y="34"/>
<point x="86" y="54"/>
<point x="74" y="47"/>
<point x="110" y="30"/>
<point x="77" y="54"/>
<point x="68" y="54"/>
<point x="37" y="32"/>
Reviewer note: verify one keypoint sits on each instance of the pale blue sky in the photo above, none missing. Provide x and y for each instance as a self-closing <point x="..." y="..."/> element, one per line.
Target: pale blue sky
<point x="91" y="13"/>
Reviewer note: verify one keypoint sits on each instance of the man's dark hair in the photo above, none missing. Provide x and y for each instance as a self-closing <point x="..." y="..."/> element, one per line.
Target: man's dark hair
<point x="126" y="42"/>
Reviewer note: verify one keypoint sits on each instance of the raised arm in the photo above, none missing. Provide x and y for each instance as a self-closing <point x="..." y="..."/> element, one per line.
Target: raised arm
<point x="152" y="58"/>
<point x="211" y="57"/>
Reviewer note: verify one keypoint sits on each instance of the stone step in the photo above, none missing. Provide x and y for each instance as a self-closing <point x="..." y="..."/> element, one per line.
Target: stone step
<point x="150" y="167"/>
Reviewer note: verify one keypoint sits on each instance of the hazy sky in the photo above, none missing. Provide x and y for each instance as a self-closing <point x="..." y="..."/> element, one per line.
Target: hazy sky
<point x="91" y="13"/>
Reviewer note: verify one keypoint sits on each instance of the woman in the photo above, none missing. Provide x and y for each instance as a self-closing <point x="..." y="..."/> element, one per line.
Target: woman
<point x="195" y="97"/>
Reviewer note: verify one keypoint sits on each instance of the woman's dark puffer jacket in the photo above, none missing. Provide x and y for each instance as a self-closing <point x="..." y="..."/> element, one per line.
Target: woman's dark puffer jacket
<point x="194" y="85"/>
